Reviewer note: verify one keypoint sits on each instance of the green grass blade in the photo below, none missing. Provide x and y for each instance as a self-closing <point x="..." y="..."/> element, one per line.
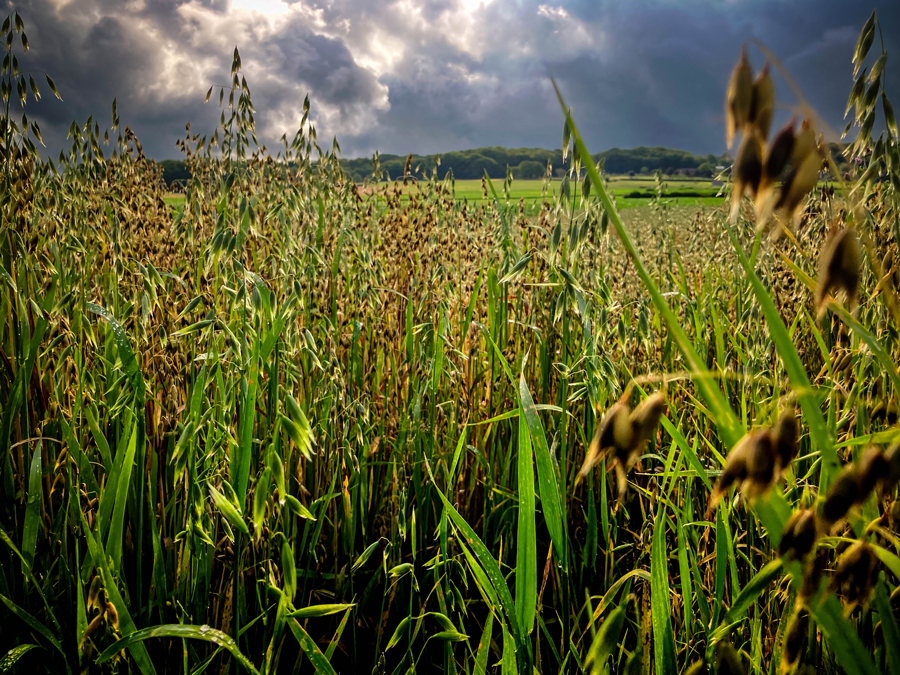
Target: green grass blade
<point x="842" y="636"/>
<point x="749" y="594"/>
<point x="138" y="650"/>
<point x="548" y="477"/>
<point x="319" y="610"/>
<point x="605" y="642"/>
<point x="526" y="541"/>
<point x="484" y="647"/>
<point x="888" y="625"/>
<point x="35" y="625"/>
<point x="182" y="631"/>
<point x="309" y="647"/>
<point x="9" y="660"/>
<point x="497" y="581"/>
<point x="663" y="637"/>
<point x="32" y="508"/>
<point x="117" y="525"/>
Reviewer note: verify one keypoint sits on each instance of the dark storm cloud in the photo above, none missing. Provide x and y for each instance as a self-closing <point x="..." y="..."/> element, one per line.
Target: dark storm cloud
<point x="438" y="75"/>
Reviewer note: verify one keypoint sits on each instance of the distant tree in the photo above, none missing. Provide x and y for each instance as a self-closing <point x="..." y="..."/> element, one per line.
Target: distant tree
<point x="631" y="173"/>
<point x="529" y="170"/>
<point x="174" y="170"/>
<point x="706" y="169"/>
<point x="645" y="170"/>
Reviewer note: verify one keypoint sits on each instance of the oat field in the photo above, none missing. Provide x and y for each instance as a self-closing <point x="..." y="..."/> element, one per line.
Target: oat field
<point x="292" y="426"/>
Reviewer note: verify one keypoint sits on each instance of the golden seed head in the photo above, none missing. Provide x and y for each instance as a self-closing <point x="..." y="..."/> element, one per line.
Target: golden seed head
<point x="799" y="182"/>
<point x="799" y="535"/>
<point x="94" y="593"/>
<point x="812" y="576"/>
<point x="795" y="640"/>
<point x="804" y="143"/>
<point x="614" y="431"/>
<point x="762" y="103"/>
<point x="874" y="468"/>
<point x="761" y="461"/>
<point x="838" y="268"/>
<point x="787" y="436"/>
<point x="734" y="472"/>
<point x="855" y="574"/>
<point x="738" y="98"/>
<point x="748" y="170"/>
<point x="645" y="419"/>
<point x="842" y="494"/>
<point x="778" y="154"/>
<point x="698" y="668"/>
<point x="892" y="455"/>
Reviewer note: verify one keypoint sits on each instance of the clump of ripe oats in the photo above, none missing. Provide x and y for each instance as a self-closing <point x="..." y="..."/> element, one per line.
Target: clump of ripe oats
<point x="856" y="573"/>
<point x="758" y="459"/>
<point x="838" y="268"/>
<point x="625" y="432"/>
<point x="795" y="640"/>
<point x="791" y="159"/>
<point x="799" y="536"/>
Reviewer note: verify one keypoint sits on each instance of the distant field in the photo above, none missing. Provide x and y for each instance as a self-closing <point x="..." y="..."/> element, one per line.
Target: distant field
<point x="629" y="191"/>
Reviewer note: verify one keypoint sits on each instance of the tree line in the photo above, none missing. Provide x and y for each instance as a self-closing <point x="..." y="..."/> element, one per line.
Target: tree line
<point x="525" y="163"/>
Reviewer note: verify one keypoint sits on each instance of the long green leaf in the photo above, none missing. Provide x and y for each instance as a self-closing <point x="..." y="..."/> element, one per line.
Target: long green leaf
<point x="117" y="525"/>
<point x="32" y="507"/>
<point x="526" y="541"/>
<point x="663" y="637"/>
<point x="496" y="579"/>
<point x="138" y="650"/>
<point x="548" y="477"/>
<point x="35" y="625"/>
<point x="309" y="647"/>
<point x="9" y="660"/>
<point x="182" y="631"/>
<point x="484" y="647"/>
<point x="749" y="594"/>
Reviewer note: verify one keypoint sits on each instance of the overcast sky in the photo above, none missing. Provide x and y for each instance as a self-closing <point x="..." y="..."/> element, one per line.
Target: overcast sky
<point x="429" y="76"/>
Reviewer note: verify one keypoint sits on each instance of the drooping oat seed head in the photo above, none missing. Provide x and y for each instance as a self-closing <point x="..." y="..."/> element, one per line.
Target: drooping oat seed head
<point x="778" y="154"/>
<point x="738" y="98"/>
<point x="748" y="170"/>
<point x="644" y="420"/>
<point x="795" y="640"/>
<point x="855" y="574"/>
<point x="842" y="494"/>
<point x="613" y="432"/>
<point x="874" y="468"/>
<point x="787" y="436"/>
<point x="734" y="473"/>
<point x="838" y="268"/>
<point x="799" y="182"/>
<point x="892" y="455"/>
<point x="799" y="535"/>
<point x="761" y="463"/>
<point x="762" y="102"/>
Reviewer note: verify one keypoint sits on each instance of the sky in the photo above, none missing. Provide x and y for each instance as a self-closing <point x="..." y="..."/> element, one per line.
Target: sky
<point x="430" y="76"/>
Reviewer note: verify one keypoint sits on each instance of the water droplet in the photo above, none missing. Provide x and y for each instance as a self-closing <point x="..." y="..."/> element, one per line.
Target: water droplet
<point x="204" y="628"/>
